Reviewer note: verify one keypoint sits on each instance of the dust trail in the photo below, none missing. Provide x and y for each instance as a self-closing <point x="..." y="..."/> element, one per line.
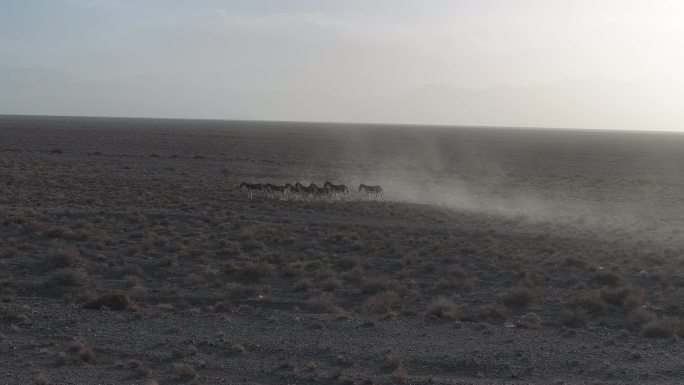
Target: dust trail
<point x="510" y="180"/>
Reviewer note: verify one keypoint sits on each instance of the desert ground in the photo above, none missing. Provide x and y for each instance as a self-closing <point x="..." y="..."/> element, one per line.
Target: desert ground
<point x="128" y="255"/>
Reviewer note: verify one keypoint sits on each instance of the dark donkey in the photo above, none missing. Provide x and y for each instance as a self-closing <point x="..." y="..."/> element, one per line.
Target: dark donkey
<point x="320" y="191"/>
<point x="305" y="191"/>
<point x="338" y="190"/>
<point x="272" y="189"/>
<point x="251" y="188"/>
<point x="375" y="190"/>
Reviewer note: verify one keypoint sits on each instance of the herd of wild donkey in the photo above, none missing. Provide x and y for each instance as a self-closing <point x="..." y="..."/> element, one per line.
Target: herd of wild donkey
<point x="287" y="191"/>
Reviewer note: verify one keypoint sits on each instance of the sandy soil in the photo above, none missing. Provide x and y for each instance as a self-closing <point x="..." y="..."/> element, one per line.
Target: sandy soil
<point x="498" y="256"/>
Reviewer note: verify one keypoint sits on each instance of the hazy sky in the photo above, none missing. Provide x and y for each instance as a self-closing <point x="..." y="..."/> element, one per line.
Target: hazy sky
<point x="589" y="64"/>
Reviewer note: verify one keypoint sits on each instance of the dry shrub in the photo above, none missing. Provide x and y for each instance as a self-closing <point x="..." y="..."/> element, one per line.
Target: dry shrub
<point x="400" y="375"/>
<point x="64" y="257"/>
<point x="394" y="361"/>
<point x="345" y="360"/>
<point x="287" y="365"/>
<point x="185" y="351"/>
<point x="590" y="301"/>
<point x="42" y="379"/>
<point x="322" y="303"/>
<point x="69" y="277"/>
<point x="294" y="270"/>
<point x="250" y="270"/>
<point x="376" y="285"/>
<point x="354" y="275"/>
<point x="492" y="313"/>
<point x="442" y="307"/>
<point x="249" y="290"/>
<point x="253" y="246"/>
<point x="606" y="278"/>
<point x="458" y="283"/>
<point x="310" y="366"/>
<point x="627" y="296"/>
<point x="185" y="372"/>
<point x="518" y="296"/>
<point x="138" y="367"/>
<point x="573" y="317"/>
<point x="349" y="262"/>
<point x="230" y="248"/>
<point x="664" y="327"/>
<point x="303" y="284"/>
<point x="115" y="300"/>
<point x="130" y="269"/>
<point x="640" y="316"/>
<point x="224" y="306"/>
<point x="530" y="321"/>
<point x="169" y="261"/>
<point x="194" y="279"/>
<point x="7" y="295"/>
<point x="575" y="262"/>
<point x="77" y="352"/>
<point x="332" y="284"/>
<point x="60" y="232"/>
<point x="383" y="303"/>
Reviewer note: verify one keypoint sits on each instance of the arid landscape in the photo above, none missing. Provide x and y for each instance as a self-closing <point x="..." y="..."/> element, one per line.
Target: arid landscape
<point x="128" y="255"/>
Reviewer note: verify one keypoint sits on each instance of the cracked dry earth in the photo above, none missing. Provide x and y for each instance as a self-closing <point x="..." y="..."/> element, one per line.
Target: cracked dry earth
<point x="129" y="256"/>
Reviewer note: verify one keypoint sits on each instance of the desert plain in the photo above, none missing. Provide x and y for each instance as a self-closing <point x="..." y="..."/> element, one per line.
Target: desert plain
<point x="128" y="254"/>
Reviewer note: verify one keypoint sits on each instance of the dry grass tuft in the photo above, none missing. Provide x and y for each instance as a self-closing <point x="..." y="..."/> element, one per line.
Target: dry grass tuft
<point x="442" y="307"/>
<point x="287" y="365"/>
<point x="61" y="232"/>
<point x="492" y="313"/>
<point x="115" y="300"/>
<point x="69" y="277"/>
<point x="518" y="297"/>
<point x="64" y="257"/>
<point x="530" y="321"/>
<point x="573" y="317"/>
<point x="627" y="296"/>
<point x="185" y="351"/>
<point x="184" y="372"/>
<point x="249" y="290"/>
<point x="590" y="301"/>
<point x="42" y="379"/>
<point x="394" y="361"/>
<point x="303" y="284"/>
<point x="641" y="316"/>
<point x="250" y="270"/>
<point x="77" y="352"/>
<point x="665" y="327"/>
<point x="606" y="278"/>
<point x="400" y="375"/>
<point x="383" y="303"/>
<point x="322" y="303"/>
<point x="139" y="368"/>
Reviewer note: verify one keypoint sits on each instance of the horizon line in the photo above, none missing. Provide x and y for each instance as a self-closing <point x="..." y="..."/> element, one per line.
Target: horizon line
<point x="351" y="123"/>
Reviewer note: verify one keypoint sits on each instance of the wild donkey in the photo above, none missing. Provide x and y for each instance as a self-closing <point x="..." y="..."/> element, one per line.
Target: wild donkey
<point x="308" y="192"/>
<point x="338" y="190"/>
<point x="320" y="192"/>
<point x="272" y="190"/>
<point x="376" y="191"/>
<point x="251" y="188"/>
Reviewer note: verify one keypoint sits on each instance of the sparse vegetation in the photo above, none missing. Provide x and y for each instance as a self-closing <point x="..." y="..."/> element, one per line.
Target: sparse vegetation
<point x="184" y="371"/>
<point x="442" y="307"/>
<point x="115" y="300"/>
<point x="77" y="352"/>
<point x="191" y="267"/>
<point x="518" y="297"/>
